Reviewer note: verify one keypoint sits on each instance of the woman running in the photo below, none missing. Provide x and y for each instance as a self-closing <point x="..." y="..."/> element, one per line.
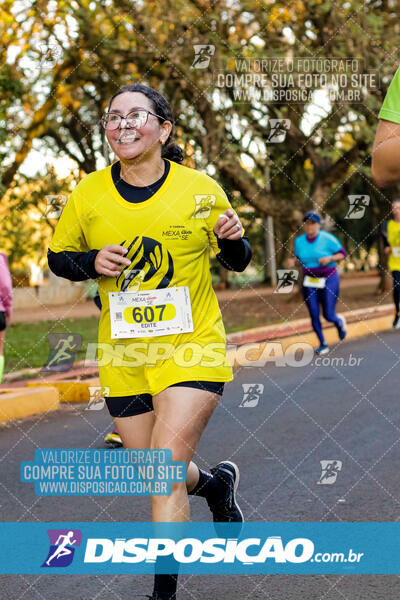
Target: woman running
<point x="5" y="305"/>
<point x="318" y="252"/>
<point x="145" y="225"/>
<point x="391" y="236"/>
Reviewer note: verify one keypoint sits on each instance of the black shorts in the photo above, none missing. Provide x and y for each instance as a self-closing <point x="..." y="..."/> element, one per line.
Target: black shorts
<point x="3" y="323"/>
<point x="129" y="406"/>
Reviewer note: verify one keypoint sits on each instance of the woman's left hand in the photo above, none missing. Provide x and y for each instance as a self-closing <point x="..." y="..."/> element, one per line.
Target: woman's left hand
<point x="325" y="260"/>
<point x="228" y="226"/>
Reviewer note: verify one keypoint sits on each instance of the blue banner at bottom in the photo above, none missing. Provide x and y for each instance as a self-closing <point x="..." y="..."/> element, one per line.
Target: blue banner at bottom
<point x="200" y="548"/>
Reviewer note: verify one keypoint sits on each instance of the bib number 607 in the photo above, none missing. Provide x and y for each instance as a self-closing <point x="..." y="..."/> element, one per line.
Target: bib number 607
<point x="148" y="313"/>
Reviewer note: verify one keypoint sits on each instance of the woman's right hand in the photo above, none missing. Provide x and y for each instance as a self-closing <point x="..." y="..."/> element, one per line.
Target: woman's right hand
<point x="387" y="250"/>
<point x="109" y="259"/>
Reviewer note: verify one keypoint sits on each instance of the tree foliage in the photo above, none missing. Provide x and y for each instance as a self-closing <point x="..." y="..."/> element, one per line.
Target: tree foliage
<point x="62" y="62"/>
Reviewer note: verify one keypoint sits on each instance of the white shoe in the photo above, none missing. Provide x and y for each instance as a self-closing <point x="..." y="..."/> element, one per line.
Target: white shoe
<point x="343" y="328"/>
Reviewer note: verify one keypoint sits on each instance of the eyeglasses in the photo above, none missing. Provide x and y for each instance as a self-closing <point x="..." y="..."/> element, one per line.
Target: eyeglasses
<point x="135" y="119"/>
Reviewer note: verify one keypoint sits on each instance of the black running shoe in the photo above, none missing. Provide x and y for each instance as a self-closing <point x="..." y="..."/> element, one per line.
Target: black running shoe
<point x="396" y="322"/>
<point x="226" y="510"/>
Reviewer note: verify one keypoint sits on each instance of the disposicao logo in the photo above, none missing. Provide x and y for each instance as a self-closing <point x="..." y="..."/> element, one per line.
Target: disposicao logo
<point x="191" y="550"/>
<point x="62" y="547"/>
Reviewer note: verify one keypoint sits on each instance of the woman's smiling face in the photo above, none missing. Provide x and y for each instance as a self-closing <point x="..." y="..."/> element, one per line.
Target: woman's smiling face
<point x="129" y="143"/>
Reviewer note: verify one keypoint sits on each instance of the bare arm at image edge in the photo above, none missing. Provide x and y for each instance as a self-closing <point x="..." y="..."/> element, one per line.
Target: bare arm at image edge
<point x="5" y="286"/>
<point x="386" y="150"/>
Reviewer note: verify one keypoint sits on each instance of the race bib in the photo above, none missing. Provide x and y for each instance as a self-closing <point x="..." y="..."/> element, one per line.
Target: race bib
<point x="396" y="252"/>
<point x="314" y="282"/>
<point x="149" y="313"/>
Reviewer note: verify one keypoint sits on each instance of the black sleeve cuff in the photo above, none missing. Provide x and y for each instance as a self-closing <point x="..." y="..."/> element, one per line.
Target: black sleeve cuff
<point x="75" y="266"/>
<point x="235" y="255"/>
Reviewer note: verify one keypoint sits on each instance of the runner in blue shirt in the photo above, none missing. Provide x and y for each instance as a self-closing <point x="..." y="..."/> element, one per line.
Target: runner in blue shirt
<point x="318" y="252"/>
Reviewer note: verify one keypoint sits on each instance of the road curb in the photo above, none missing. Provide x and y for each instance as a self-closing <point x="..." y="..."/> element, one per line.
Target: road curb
<point x="284" y="330"/>
<point x="69" y="390"/>
<point x="79" y="367"/>
<point x="17" y="403"/>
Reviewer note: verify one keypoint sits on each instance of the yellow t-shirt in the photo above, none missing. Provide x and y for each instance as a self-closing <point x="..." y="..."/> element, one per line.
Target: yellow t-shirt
<point x="169" y="238"/>
<point x="393" y="237"/>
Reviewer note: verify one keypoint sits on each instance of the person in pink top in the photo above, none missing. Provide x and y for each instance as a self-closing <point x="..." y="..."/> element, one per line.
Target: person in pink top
<point x="5" y="304"/>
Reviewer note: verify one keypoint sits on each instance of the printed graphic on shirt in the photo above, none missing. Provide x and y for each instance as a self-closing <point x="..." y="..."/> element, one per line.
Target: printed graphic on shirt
<point x="149" y="261"/>
<point x="177" y="232"/>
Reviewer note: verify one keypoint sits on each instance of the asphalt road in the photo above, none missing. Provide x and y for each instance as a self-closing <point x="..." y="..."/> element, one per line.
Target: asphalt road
<point x="347" y="412"/>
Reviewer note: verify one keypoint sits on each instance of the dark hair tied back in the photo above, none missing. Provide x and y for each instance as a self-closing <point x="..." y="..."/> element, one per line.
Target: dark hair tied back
<point x="170" y="150"/>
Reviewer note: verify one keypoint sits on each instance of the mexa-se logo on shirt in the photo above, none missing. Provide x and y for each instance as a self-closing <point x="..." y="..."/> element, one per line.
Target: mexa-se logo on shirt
<point x="148" y="260"/>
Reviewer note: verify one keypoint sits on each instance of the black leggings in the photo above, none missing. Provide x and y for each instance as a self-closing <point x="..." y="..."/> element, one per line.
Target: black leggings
<point x="396" y="290"/>
<point x="2" y="320"/>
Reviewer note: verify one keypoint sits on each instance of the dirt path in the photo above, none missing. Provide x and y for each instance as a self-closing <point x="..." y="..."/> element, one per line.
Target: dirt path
<point x="53" y="313"/>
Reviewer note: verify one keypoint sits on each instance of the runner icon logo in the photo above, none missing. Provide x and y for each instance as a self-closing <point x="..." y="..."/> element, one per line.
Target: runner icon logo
<point x="149" y="261"/>
<point x="54" y="206"/>
<point x="251" y="394"/>
<point x="286" y="280"/>
<point x="62" y="547"/>
<point x="62" y="350"/>
<point x="357" y="206"/>
<point x="97" y="393"/>
<point x="203" y="206"/>
<point x="278" y="130"/>
<point x="330" y="470"/>
<point x="50" y="54"/>
<point x="203" y="54"/>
